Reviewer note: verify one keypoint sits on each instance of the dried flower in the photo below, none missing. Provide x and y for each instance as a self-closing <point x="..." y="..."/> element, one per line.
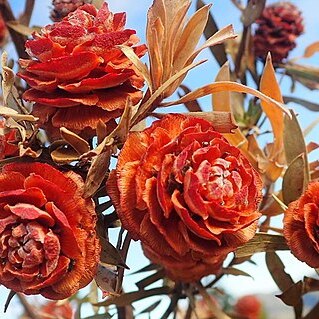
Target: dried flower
<point x="78" y="75"/>
<point x="3" y="31"/>
<point x="187" y="194"/>
<point x="53" y="310"/>
<point x="301" y="226"/>
<point x="48" y="242"/>
<point x="61" y="8"/>
<point x="278" y="27"/>
<point x="7" y="148"/>
<point x="248" y="307"/>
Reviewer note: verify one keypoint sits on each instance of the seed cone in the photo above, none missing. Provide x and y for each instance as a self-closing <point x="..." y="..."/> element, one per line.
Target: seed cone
<point x="278" y="27"/>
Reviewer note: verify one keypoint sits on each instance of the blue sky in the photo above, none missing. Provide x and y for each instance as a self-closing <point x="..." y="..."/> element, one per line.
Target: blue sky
<point x="224" y="13"/>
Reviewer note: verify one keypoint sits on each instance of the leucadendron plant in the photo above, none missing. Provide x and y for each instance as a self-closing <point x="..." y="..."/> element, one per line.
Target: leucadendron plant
<point x="90" y="141"/>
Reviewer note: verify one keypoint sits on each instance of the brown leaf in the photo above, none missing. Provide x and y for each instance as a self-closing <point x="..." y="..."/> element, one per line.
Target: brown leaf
<point x="235" y="272"/>
<point x="310" y="285"/>
<point x="218" y="51"/>
<point x="98" y="170"/>
<point x="64" y="155"/>
<point x="262" y="242"/>
<point x="272" y="208"/>
<point x="140" y="66"/>
<point x="311" y="49"/>
<point x="129" y="298"/>
<point x="21" y="28"/>
<point x="80" y="145"/>
<point x="192" y="106"/>
<point x="269" y="86"/>
<point x="295" y="179"/>
<point x="110" y="255"/>
<point x="307" y="104"/>
<point x="252" y="12"/>
<point x="221" y="100"/>
<point x="292" y="296"/>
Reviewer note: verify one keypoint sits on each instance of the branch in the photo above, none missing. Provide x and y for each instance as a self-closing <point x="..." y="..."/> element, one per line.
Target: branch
<point x="27" y="307"/>
<point x="17" y="38"/>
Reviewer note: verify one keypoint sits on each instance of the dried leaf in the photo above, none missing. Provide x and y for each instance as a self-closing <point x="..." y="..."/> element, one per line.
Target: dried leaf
<point x="310" y="285"/>
<point x="306" y="75"/>
<point x="192" y="106"/>
<point x="98" y="170"/>
<point x="151" y="307"/>
<point x="110" y="255"/>
<point x="218" y="51"/>
<point x="140" y="66"/>
<point x="295" y="179"/>
<point x="228" y="86"/>
<point x="28" y="151"/>
<point x="273" y="208"/>
<point x="21" y="28"/>
<point x="221" y="100"/>
<point x="9" y="298"/>
<point x="262" y="242"/>
<point x="309" y="105"/>
<point x="144" y="108"/>
<point x="252" y="12"/>
<point x="311" y="50"/>
<point x="129" y="298"/>
<point x="292" y="296"/>
<point x="64" y="155"/>
<point x="313" y="313"/>
<point x="106" y="279"/>
<point x="235" y="272"/>
<point x="282" y="279"/>
<point x="11" y="123"/>
<point x="97" y="3"/>
<point x="142" y="284"/>
<point x="78" y="143"/>
<point x="101" y="131"/>
<point x="269" y="86"/>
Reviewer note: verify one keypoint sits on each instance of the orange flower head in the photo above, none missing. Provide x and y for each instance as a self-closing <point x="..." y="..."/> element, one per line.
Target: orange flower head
<point x="77" y="74"/>
<point x="248" y="307"/>
<point x="301" y="226"/>
<point x="187" y="194"/>
<point x="52" y="310"/>
<point x="48" y="242"/>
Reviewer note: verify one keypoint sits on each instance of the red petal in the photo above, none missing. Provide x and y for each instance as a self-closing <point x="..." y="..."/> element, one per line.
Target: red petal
<point x="59" y="99"/>
<point x="38" y="83"/>
<point x="69" y="245"/>
<point x="71" y="67"/>
<point x="107" y="81"/>
<point x="33" y="196"/>
<point x="43" y="49"/>
<point x="82" y="116"/>
<point x="11" y="181"/>
<point x="30" y="212"/>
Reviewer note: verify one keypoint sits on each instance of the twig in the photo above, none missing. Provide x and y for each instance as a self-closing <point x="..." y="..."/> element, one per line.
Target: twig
<point x="28" y="9"/>
<point x="17" y="38"/>
<point x="27" y="307"/>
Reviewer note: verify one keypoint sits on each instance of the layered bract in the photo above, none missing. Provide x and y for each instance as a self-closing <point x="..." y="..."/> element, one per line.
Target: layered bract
<point x="187" y="194"/>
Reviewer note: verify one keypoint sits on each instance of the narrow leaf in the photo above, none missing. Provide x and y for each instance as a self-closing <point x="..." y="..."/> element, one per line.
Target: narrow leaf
<point x="218" y="51"/>
<point x="235" y="272"/>
<point x="252" y="12"/>
<point x="192" y="106"/>
<point x="221" y="100"/>
<point x="262" y="242"/>
<point x="295" y="179"/>
<point x="307" y="104"/>
<point x="9" y="298"/>
<point x="130" y="297"/>
<point x="78" y="143"/>
<point x="110" y="255"/>
<point x="21" y="28"/>
<point x="311" y="49"/>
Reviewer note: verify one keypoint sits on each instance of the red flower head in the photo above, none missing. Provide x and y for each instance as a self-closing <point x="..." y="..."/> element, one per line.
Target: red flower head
<point x="53" y="310"/>
<point x="301" y="226"/>
<point x="77" y="74"/>
<point x="3" y="30"/>
<point x="48" y="243"/>
<point x="277" y="30"/>
<point x="6" y="148"/>
<point x="187" y="194"/>
<point x="248" y="307"/>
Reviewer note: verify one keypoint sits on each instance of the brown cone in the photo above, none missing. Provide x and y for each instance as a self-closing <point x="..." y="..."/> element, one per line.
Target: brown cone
<point x="278" y="27"/>
<point x="61" y="8"/>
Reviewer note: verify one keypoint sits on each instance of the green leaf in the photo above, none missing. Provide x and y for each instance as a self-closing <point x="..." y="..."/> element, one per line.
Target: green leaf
<point x="218" y="51"/>
<point x="262" y="242"/>
<point x="130" y="297"/>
